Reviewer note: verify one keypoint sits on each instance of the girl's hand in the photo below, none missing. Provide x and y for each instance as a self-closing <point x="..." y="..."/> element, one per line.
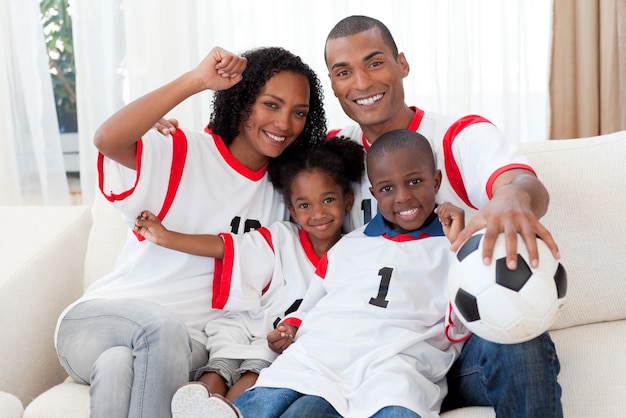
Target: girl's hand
<point x="281" y="337"/>
<point x="150" y="227"/>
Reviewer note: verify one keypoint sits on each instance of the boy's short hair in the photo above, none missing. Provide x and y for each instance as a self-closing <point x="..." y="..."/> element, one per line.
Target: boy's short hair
<point x="403" y="139"/>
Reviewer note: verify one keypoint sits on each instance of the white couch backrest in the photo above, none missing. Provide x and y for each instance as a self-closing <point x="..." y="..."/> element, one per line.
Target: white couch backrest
<point x="586" y="179"/>
<point x="107" y="236"/>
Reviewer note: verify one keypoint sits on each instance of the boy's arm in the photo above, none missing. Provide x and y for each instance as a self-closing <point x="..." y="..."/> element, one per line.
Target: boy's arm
<point x="117" y="137"/>
<point x="452" y="219"/>
<point x="206" y="245"/>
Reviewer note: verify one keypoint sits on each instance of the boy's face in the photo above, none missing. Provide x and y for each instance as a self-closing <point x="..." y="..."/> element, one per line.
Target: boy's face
<point x="367" y="79"/>
<point x="405" y="187"/>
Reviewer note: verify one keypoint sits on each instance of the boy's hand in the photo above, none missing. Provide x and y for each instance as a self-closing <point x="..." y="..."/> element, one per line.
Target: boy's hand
<point x="452" y="219"/>
<point x="281" y="337"/>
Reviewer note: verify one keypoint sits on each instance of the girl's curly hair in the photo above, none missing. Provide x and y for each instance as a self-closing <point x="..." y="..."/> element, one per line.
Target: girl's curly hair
<point x="234" y="104"/>
<point x="341" y="158"/>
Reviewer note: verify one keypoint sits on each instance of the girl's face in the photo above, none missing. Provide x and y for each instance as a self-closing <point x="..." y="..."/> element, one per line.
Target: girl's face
<point x="278" y="116"/>
<point x="319" y="205"/>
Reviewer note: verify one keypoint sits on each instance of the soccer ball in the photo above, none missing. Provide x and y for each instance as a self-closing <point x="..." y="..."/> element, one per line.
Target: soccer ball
<point x="501" y="305"/>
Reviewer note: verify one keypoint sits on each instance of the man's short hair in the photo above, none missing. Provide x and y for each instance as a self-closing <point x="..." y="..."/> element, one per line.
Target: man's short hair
<point x="352" y="25"/>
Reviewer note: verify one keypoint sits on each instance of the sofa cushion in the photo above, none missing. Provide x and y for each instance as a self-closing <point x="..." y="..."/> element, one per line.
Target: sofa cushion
<point x="107" y="236"/>
<point x="41" y="272"/>
<point x="585" y="217"/>
<point x="10" y="406"/>
<point x="592" y="373"/>
<point x="69" y="399"/>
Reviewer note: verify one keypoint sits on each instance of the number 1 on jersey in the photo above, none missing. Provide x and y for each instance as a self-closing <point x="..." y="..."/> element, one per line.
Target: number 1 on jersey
<point x="383" y="289"/>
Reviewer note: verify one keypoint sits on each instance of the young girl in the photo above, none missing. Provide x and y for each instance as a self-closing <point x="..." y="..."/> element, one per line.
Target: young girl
<point x="264" y="274"/>
<point x="137" y="333"/>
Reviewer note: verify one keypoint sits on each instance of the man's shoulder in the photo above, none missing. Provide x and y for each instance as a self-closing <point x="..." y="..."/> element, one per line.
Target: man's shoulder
<point x="353" y="132"/>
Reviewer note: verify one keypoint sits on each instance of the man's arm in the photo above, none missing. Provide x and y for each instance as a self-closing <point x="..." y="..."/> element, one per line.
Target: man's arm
<point x="519" y="200"/>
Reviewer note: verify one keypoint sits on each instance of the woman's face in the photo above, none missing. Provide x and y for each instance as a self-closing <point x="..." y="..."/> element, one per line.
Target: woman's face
<point x="277" y="117"/>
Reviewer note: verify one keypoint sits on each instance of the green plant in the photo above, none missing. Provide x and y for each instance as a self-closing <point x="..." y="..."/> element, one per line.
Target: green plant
<point x="57" y="27"/>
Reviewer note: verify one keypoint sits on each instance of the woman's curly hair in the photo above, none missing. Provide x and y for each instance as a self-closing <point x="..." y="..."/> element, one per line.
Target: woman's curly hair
<point x="340" y="157"/>
<point x="263" y="63"/>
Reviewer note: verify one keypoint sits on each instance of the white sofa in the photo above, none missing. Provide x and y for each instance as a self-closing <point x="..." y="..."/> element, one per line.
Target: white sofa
<point x="44" y="251"/>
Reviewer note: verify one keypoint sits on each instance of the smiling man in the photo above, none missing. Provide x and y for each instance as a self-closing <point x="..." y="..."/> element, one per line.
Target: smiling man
<point x="485" y="174"/>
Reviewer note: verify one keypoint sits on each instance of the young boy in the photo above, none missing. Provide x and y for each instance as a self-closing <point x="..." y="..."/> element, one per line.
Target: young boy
<point x="371" y="337"/>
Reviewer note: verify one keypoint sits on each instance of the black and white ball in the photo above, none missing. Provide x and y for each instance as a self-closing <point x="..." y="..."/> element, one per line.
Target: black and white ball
<point x="501" y="305"/>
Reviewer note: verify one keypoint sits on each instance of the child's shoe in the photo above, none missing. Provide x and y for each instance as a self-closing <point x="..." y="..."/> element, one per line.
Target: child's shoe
<point x="193" y="400"/>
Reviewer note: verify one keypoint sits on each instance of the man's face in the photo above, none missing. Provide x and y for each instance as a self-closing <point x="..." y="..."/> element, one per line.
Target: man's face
<point x="367" y="79"/>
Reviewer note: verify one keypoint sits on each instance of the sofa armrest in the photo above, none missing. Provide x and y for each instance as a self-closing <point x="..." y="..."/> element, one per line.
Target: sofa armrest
<point x="10" y="406"/>
<point x="42" y="253"/>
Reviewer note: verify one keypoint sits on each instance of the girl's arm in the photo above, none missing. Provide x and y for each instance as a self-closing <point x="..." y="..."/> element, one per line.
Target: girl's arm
<point x="117" y="137"/>
<point x="148" y="225"/>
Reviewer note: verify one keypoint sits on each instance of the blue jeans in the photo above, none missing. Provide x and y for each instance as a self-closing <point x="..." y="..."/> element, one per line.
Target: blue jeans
<point x="263" y="402"/>
<point x="134" y="354"/>
<point x="517" y="380"/>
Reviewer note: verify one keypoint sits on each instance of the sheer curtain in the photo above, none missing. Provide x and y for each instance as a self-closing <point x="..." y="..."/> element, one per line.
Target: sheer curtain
<point x="32" y="171"/>
<point x="467" y="56"/>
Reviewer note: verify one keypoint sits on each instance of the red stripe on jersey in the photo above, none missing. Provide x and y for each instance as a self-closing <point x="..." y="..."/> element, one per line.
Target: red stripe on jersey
<point x="501" y="170"/>
<point x="112" y="197"/>
<point x="417" y="118"/>
<point x="307" y="246"/>
<point x="179" y="156"/>
<point x="332" y="133"/>
<point x="405" y="237"/>
<point x="234" y="163"/>
<point x="413" y="126"/>
<point x="223" y="273"/>
<point x="452" y="169"/>
<point x="322" y="266"/>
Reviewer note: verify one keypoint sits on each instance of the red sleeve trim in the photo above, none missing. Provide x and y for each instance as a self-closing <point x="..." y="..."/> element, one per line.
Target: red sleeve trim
<point x="293" y="321"/>
<point x="450" y="324"/>
<point x="112" y="197"/>
<point x="501" y="170"/>
<point x="452" y="169"/>
<point x="223" y="273"/>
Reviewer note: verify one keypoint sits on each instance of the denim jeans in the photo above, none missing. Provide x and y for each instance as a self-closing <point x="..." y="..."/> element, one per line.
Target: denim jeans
<point x="263" y="402"/>
<point x="134" y="354"/>
<point x="517" y="380"/>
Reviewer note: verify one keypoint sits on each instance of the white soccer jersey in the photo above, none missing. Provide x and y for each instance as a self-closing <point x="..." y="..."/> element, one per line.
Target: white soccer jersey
<point x="470" y="152"/>
<point x="196" y="186"/>
<point x="262" y="278"/>
<point x="375" y="334"/>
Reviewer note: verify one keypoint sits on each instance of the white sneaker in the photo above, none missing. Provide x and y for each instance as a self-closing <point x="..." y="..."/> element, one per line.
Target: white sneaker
<point x="193" y="400"/>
